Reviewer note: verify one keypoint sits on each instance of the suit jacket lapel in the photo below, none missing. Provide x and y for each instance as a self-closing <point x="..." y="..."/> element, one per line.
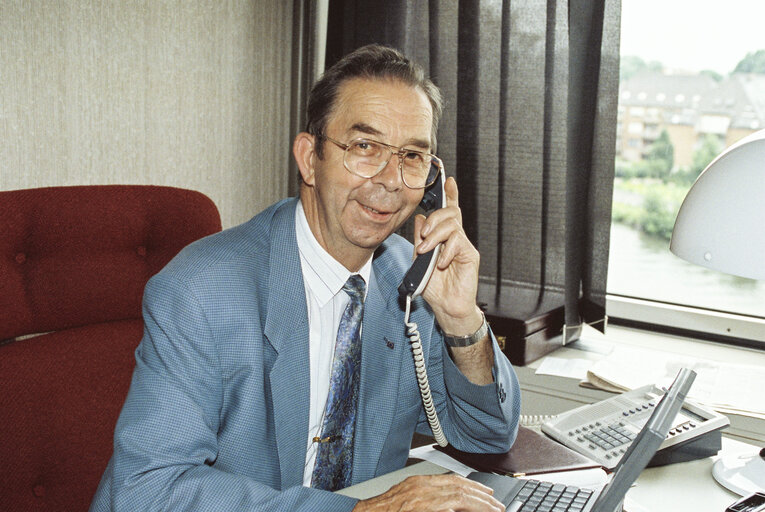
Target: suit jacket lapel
<point x="382" y="342"/>
<point x="286" y="329"/>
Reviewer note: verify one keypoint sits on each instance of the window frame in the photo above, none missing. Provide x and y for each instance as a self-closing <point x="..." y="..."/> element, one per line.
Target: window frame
<point x="694" y="322"/>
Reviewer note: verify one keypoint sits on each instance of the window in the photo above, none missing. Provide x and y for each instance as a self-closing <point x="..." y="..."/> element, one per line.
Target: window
<point x="681" y="61"/>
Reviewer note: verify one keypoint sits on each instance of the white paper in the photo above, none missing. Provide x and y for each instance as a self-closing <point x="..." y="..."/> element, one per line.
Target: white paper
<point x="563" y="367"/>
<point x="430" y="454"/>
<point x="726" y="387"/>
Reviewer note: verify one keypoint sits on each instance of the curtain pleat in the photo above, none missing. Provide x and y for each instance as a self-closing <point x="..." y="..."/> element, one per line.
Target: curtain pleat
<point x="528" y="130"/>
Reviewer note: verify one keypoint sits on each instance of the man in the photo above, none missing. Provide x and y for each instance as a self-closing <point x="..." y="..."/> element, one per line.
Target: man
<point x="234" y="385"/>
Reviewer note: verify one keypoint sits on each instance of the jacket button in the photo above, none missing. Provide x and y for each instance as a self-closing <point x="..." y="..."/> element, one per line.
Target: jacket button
<point x="141" y="251"/>
<point x="21" y="258"/>
<point x="39" y="491"/>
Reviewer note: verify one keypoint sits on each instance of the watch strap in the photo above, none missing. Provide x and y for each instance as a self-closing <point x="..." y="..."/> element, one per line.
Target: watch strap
<point x="470" y="339"/>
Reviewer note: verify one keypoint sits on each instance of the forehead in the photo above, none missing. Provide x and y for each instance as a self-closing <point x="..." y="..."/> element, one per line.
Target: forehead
<point x="396" y="112"/>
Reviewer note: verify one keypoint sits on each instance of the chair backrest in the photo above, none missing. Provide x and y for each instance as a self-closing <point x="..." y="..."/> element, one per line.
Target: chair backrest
<point x="73" y="265"/>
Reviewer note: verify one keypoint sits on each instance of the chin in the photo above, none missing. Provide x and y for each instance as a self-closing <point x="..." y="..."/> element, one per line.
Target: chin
<point x="369" y="241"/>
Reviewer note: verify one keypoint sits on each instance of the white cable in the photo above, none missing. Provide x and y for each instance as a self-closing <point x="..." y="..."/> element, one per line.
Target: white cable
<point x="422" y="376"/>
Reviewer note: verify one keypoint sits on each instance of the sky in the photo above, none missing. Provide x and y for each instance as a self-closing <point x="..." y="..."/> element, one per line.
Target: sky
<point x="693" y="35"/>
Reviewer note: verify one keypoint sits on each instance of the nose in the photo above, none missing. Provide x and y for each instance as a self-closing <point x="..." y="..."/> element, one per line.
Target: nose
<point x="390" y="175"/>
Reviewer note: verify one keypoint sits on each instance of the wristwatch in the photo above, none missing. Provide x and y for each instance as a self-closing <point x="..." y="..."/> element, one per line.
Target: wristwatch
<point x="470" y="339"/>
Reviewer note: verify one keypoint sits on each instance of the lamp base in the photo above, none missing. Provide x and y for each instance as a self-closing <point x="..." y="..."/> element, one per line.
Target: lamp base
<point x="742" y="474"/>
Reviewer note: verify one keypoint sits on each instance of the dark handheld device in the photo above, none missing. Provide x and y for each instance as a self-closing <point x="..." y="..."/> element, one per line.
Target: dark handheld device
<point x="753" y="503"/>
<point x="419" y="273"/>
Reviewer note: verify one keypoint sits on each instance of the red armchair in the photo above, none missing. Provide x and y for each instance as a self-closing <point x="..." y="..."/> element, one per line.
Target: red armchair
<point x="73" y="265"/>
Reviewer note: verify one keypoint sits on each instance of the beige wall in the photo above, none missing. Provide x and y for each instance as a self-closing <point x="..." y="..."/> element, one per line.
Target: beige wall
<point x="188" y="94"/>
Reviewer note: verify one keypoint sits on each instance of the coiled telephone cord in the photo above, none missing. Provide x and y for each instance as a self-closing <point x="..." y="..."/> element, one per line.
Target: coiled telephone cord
<point x="422" y="377"/>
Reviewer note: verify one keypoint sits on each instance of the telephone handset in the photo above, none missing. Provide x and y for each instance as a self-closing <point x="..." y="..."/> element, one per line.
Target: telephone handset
<point x="412" y="285"/>
<point x="419" y="273"/>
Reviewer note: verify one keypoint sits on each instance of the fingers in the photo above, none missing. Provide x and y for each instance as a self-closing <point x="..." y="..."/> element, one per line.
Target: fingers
<point x="435" y="493"/>
<point x="452" y="194"/>
<point x="451" y="213"/>
<point x="446" y="230"/>
<point x="453" y="492"/>
<point x="437" y="228"/>
<point x="419" y="222"/>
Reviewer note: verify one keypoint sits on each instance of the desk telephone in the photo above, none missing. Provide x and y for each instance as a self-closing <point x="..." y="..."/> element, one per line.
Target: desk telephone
<point x="412" y="285"/>
<point x="603" y="431"/>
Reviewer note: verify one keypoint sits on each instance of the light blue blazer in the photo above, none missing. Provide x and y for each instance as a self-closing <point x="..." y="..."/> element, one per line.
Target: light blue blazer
<point x="217" y="413"/>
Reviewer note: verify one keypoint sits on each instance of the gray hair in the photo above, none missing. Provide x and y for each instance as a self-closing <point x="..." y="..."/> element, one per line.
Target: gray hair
<point x="373" y="61"/>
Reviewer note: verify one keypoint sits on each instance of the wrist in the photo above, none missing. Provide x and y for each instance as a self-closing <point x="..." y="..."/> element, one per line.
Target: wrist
<point x="469" y="337"/>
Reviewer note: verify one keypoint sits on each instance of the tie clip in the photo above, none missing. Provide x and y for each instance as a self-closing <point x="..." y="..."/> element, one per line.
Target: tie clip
<point x="327" y="439"/>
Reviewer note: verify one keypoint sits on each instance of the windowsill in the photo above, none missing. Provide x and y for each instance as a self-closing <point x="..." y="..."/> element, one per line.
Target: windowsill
<point x="546" y="394"/>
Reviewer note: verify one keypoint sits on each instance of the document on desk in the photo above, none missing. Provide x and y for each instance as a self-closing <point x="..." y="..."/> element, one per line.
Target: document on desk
<point x="429" y="453"/>
<point x="573" y="368"/>
<point x="726" y="387"/>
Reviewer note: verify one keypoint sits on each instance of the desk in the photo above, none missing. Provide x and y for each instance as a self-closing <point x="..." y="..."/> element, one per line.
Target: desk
<point x="686" y="486"/>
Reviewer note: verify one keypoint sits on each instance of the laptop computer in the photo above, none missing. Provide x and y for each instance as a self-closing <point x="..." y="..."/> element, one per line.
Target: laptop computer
<point x="533" y="495"/>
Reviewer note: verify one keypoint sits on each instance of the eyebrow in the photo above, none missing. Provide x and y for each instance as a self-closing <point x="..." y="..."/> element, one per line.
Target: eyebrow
<point x="370" y="130"/>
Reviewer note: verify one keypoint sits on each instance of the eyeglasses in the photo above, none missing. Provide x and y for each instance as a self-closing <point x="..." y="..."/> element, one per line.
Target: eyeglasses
<point x="366" y="158"/>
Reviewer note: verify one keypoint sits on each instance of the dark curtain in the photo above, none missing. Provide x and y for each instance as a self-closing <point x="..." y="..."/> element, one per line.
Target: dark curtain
<point x="529" y="132"/>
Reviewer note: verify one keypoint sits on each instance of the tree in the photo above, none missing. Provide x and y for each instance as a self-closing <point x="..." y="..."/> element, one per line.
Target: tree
<point x="714" y="75"/>
<point x="703" y="156"/>
<point x="661" y="154"/>
<point x="707" y="151"/>
<point x="752" y="63"/>
<point x="630" y="66"/>
<point x="658" y="215"/>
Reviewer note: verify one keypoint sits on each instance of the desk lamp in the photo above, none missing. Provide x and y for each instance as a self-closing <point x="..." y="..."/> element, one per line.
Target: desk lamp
<point x="721" y="225"/>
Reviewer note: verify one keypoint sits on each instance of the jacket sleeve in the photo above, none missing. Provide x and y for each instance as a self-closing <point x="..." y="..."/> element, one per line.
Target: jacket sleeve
<point x="476" y="419"/>
<point x="165" y="441"/>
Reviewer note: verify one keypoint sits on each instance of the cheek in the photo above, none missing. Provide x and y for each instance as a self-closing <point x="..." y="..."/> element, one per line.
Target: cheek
<point x="413" y="198"/>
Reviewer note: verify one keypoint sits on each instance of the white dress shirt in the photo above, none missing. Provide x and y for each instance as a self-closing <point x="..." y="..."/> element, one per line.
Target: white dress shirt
<point x="324" y="278"/>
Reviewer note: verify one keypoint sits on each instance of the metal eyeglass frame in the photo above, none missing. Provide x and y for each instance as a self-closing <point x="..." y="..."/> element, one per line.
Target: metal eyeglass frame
<point x="399" y="151"/>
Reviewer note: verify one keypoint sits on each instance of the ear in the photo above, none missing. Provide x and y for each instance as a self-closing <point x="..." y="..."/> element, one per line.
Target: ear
<point x="303" y="149"/>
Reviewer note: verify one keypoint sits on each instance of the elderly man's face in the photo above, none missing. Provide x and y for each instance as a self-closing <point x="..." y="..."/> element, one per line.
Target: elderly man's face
<point x="349" y="215"/>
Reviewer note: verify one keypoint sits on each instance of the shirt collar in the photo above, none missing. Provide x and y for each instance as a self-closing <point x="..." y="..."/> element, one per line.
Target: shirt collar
<point x="323" y="274"/>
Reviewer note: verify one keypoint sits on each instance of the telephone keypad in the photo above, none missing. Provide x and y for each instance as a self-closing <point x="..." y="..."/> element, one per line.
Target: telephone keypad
<point x="610" y="437"/>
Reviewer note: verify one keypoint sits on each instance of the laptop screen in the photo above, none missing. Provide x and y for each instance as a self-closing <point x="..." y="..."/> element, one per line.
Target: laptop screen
<point x="646" y="443"/>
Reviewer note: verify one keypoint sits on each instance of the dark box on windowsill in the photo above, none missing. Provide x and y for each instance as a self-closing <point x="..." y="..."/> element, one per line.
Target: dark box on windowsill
<point x="528" y="324"/>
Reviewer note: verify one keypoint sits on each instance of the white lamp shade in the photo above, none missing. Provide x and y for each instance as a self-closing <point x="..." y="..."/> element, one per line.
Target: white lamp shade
<point x="721" y="223"/>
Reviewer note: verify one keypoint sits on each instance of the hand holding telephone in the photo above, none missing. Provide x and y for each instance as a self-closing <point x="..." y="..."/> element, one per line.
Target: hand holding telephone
<point x="413" y="284"/>
<point x="416" y="279"/>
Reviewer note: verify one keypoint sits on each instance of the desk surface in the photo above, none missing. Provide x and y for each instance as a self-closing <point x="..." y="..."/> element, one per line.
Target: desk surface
<point x="686" y="486"/>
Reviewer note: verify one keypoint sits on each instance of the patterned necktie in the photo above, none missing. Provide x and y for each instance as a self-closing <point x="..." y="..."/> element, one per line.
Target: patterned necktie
<point x="334" y="456"/>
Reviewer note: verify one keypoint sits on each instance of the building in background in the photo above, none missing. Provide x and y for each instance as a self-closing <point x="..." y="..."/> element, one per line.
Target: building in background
<point x="689" y="108"/>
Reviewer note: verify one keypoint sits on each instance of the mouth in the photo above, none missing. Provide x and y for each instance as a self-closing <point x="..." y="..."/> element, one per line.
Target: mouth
<point x="375" y="213"/>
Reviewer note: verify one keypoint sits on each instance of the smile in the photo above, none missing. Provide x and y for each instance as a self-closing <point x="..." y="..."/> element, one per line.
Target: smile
<point x="374" y="212"/>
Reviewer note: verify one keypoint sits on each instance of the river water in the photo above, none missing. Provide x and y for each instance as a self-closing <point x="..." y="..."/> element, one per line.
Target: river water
<point x="642" y="266"/>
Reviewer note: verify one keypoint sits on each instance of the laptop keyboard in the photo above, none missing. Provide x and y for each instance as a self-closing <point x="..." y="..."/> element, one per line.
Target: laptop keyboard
<point x="547" y="497"/>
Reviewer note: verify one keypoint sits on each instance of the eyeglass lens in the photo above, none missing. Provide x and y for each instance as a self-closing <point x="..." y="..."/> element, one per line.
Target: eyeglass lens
<point x="366" y="158"/>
